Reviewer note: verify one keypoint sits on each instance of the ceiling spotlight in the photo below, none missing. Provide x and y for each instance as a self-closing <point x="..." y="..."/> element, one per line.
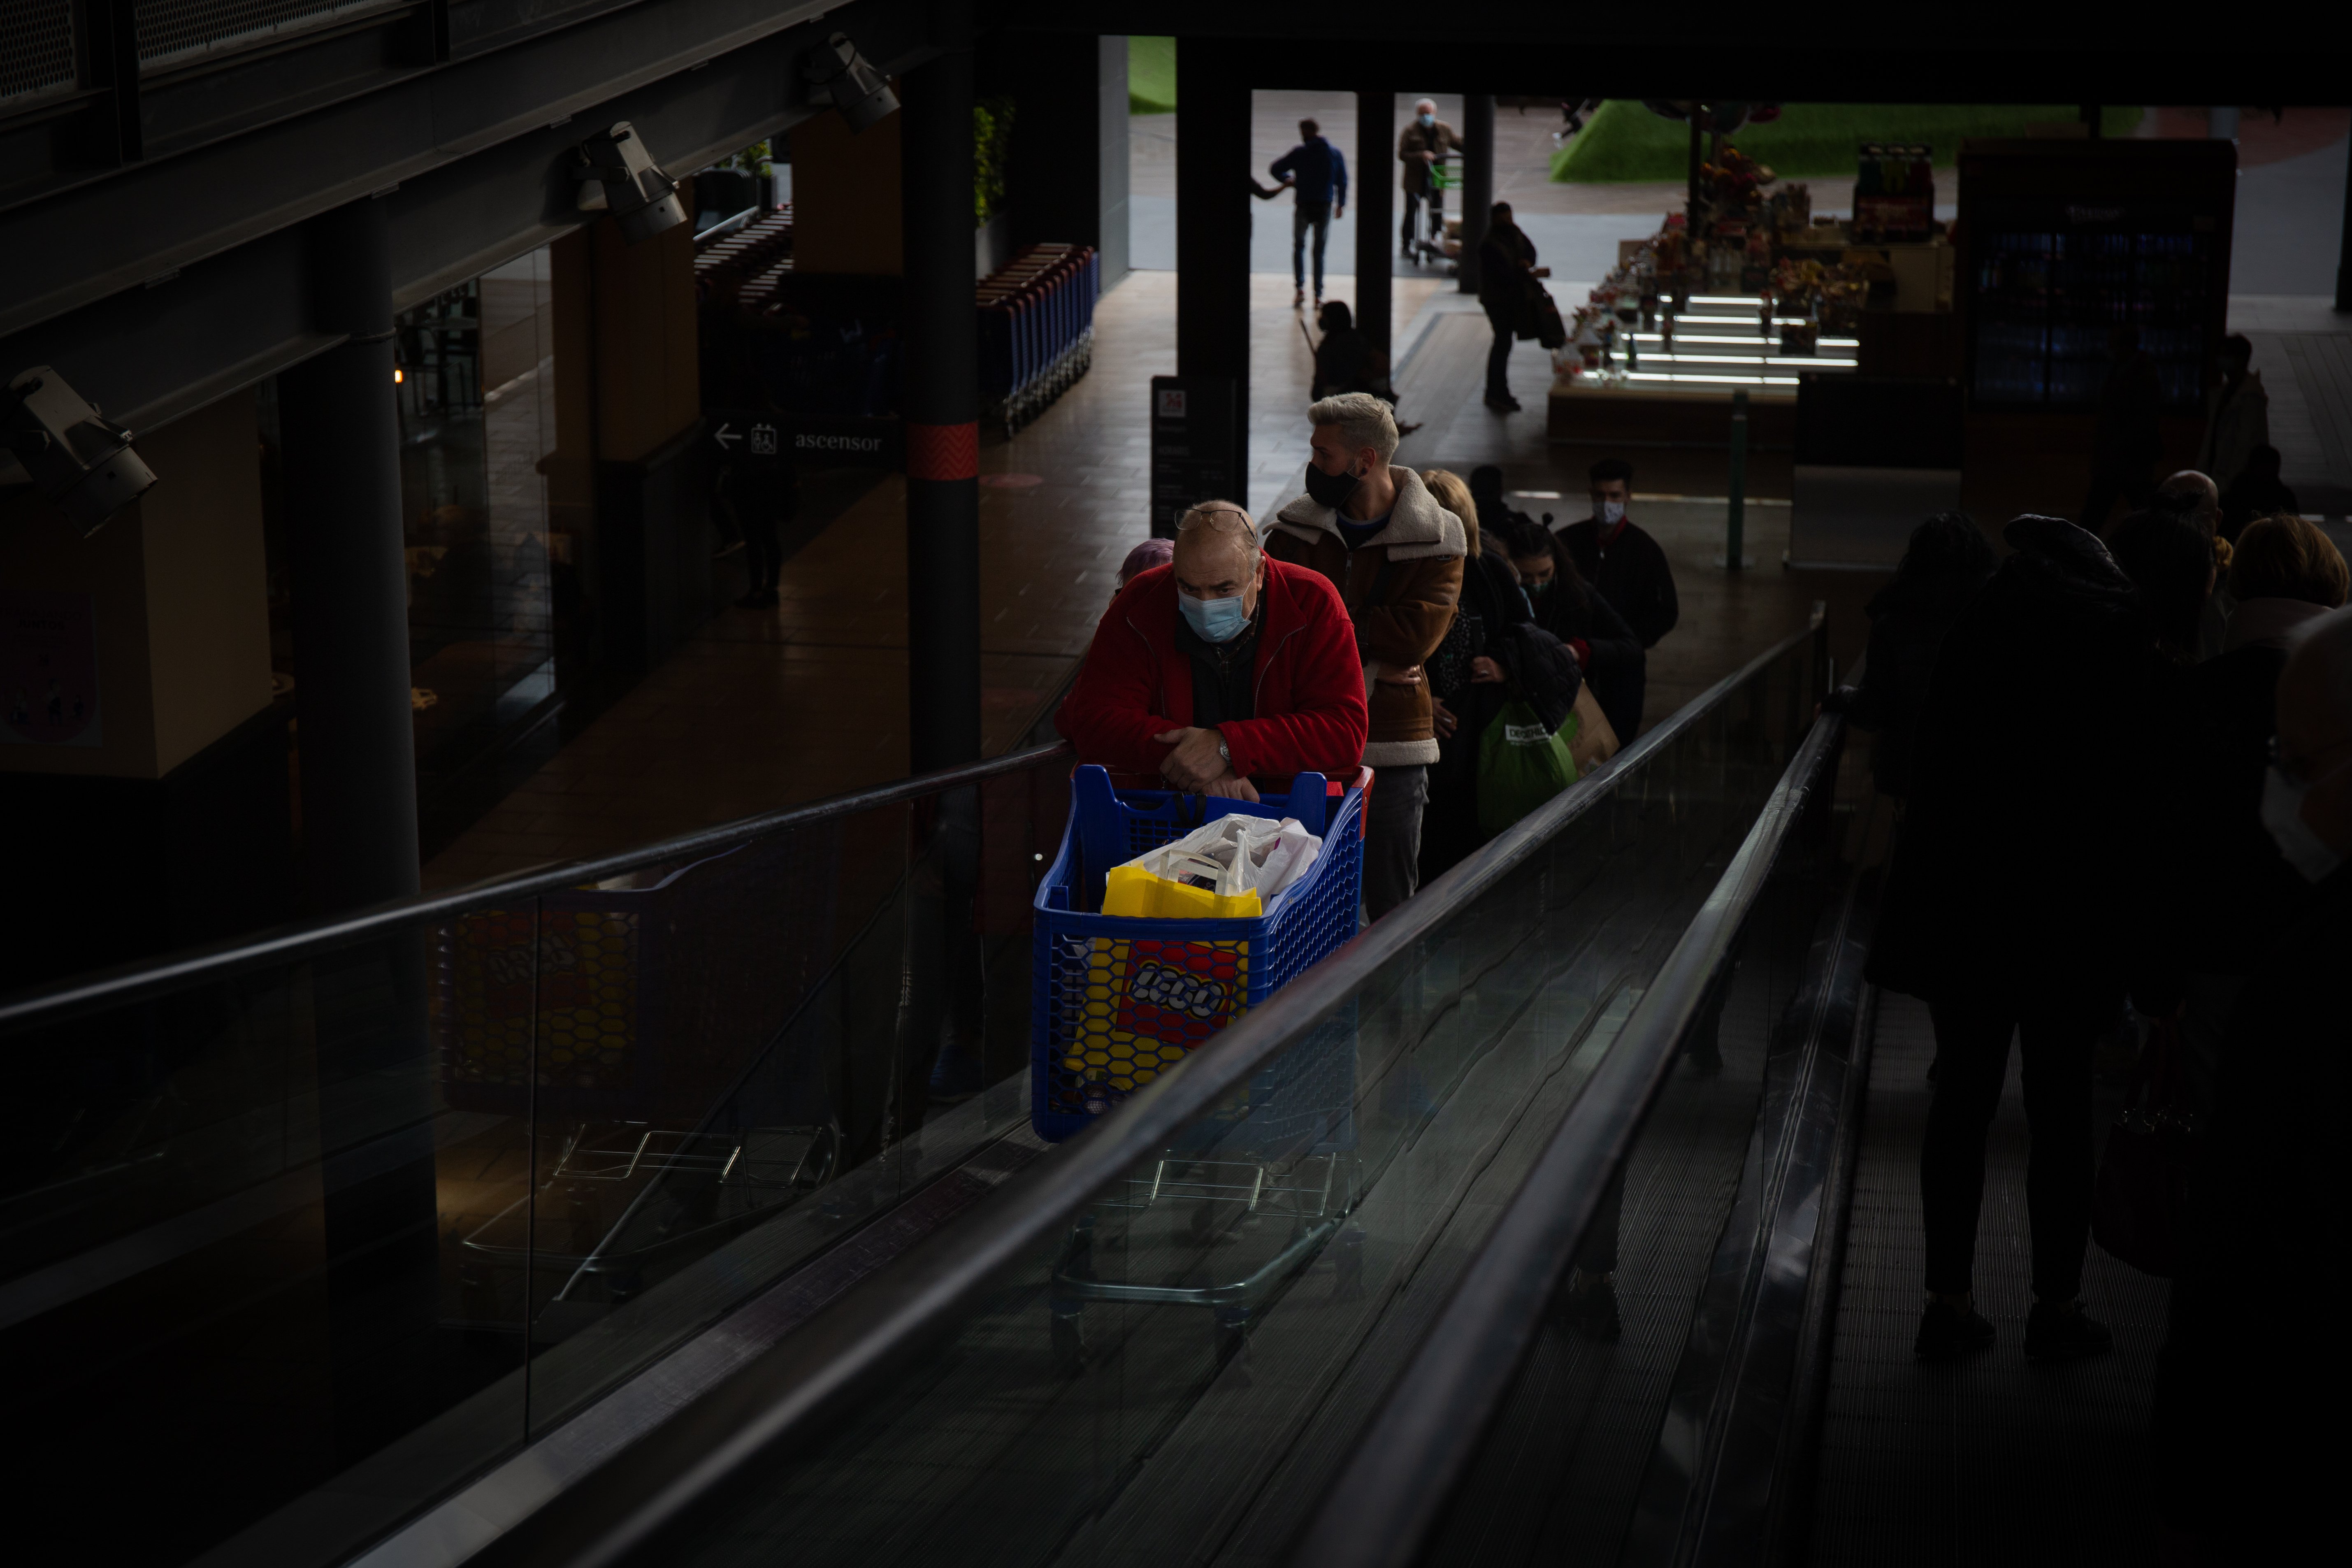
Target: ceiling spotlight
<point x="858" y="90"/>
<point x="616" y="173"/>
<point x="80" y="460"/>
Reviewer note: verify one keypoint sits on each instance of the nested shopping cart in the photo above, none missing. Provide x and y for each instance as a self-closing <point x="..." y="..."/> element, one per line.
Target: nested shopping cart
<point x="1116" y="1001"/>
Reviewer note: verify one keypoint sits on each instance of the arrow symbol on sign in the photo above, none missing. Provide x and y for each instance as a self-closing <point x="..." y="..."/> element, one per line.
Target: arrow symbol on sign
<point x="726" y="436"/>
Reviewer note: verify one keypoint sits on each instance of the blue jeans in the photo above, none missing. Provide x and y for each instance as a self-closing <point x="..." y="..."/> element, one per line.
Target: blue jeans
<point x="1316" y="215"/>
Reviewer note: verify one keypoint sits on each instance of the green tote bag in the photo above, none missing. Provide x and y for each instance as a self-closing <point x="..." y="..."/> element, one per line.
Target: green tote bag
<point x="1521" y="765"/>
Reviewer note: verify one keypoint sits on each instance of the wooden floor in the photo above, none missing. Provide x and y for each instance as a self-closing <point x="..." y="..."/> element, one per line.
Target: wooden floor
<point x="762" y="709"/>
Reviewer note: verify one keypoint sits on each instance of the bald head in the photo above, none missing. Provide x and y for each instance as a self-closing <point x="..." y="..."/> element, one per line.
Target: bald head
<point x="2192" y="497"/>
<point x="2315" y="726"/>
<point x="1217" y="554"/>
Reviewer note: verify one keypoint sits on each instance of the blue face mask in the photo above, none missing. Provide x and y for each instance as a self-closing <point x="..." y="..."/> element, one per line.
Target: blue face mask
<point x="1427" y="121"/>
<point x="1213" y="620"/>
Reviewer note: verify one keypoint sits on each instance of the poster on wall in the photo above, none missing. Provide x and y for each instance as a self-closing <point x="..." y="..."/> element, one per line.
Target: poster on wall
<point x="48" y="669"/>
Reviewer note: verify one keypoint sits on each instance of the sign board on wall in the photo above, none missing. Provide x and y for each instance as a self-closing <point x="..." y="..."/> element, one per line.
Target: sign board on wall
<point x="1192" y="447"/>
<point x="48" y="669"/>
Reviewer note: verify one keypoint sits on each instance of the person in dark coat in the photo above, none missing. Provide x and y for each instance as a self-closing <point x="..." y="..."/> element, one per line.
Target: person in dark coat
<point x="1605" y="648"/>
<point x="1494" y="651"/>
<point x="1620" y="560"/>
<point x="2258" y="492"/>
<point x="1346" y="360"/>
<point x="1486" y="495"/>
<point x="2016" y="898"/>
<point x="1946" y="560"/>
<point x="1507" y="271"/>
<point x="2236" y="892"/>
<point x="2269" y="1191"/>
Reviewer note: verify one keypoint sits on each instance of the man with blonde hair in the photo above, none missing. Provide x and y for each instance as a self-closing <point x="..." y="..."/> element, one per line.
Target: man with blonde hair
<point x="1395" y="556"/>
<point x="1221" y="671"/>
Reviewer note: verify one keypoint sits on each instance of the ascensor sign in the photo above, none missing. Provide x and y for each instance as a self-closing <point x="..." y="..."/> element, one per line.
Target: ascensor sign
<point x="48" y="669"/>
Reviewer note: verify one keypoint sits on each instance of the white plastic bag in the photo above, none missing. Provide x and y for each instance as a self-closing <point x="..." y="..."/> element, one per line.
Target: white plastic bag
<point x="1235" y="855"/>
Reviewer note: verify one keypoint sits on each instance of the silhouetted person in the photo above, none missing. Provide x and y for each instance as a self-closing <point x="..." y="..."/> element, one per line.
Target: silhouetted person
<point x="2237" y="415"/>
<point x="1507" y="272"/>
<point x="2014" y="902"/>
<point x="1621" y="563"/>
<point x="2128" y="440"/>
<point x="2271" y="1187"/>
<point x="2236" y="891"/>
<point x="2257" y="491"/>
<point x="1318" y="173"/>
<point x="1946" y="560"/>
<point x="1346" y="360"/>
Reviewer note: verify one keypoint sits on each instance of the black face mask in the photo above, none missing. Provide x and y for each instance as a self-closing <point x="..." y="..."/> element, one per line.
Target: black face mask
<point x="1330" y="490"/>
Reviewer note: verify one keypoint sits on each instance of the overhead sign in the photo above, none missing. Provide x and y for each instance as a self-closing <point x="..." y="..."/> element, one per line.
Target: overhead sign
<point x="822" y="440"/>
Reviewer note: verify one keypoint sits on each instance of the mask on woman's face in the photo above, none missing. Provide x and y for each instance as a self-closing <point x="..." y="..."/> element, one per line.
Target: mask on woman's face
<point x="1214" y="620"/>
<point x="2304" y="850"/>
<point x="1537" y="587"/>
<point x="1330" y="490"/>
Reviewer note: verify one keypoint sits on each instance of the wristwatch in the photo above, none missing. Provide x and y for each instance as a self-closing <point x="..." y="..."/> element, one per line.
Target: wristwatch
<point x="1223" y="752"/>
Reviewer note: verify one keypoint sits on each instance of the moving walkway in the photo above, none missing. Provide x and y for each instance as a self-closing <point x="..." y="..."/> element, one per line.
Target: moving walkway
<point x="629" y="1212"/>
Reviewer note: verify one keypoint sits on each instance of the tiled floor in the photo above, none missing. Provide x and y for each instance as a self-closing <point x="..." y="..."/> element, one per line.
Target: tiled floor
<point x="1988" y="1460"/>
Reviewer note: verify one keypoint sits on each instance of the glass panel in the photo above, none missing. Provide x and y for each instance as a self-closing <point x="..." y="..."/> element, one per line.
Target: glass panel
<point x="313" y="1244"/>
<point x="1611" y="1415"/>
<point x="476" y="401"/>
<point x="1177" y="1375"/>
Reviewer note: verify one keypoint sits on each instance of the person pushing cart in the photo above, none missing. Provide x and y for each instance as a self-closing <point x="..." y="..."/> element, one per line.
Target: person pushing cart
<point x="1423" y="145"/>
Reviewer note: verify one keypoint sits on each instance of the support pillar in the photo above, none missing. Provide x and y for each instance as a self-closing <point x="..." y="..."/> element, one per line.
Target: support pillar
<point x="1212" y="230"/>
<point x="357" y="737"/>
<point x="1478" y="181"/>
<point x="1374" y="188"/>
<point x="2344" y="248"/>
<point x="941" y="405"/>
<point x="357" y="751"/>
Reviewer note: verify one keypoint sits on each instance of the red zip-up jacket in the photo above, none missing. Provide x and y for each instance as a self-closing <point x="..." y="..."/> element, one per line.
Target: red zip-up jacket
<point x="1136" y="683"/>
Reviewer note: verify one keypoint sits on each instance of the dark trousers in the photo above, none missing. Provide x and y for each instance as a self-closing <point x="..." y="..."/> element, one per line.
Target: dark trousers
<point x="1971" y="1061"/>
<point x="1306" y="215"/>
<point x="1409" y="228"/>
<point x="2136" y="487"/>
<point x="1498" y="360"/>
<point x="1392" y="836"/>
<point x="764" y="554"/>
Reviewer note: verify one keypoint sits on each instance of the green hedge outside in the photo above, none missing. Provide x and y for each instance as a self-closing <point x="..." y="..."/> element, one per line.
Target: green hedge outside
<point x="1624" y="142"/>
<point x="1151" y="76"/>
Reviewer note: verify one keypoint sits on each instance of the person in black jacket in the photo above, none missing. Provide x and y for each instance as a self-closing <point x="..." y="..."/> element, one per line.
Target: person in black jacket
<point x="1494" y="651"/>
<point x="1507" y="272"/>
<point x="2019" y="896"/>
<point x="2256" y="492"/>
<point x="2269" y="1191"/>
<point x="1606" y="649"/>
<point x="1620" y="560"/>
<point x="1946" y="560"/>
<point x="2236" y="892"/>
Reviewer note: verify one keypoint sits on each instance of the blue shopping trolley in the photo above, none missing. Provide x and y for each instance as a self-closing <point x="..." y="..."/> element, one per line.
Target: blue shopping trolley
<point x="1116" y="1001"/>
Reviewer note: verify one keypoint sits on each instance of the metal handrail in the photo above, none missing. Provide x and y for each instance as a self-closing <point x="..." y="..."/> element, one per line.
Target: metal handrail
<point x="790" y="1391"/>
<point x="137" y="980"/>
<point x="1381" y="1511"/>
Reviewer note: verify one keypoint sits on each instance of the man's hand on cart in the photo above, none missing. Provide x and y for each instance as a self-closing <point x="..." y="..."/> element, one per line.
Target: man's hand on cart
<point x="1197" y="764"/>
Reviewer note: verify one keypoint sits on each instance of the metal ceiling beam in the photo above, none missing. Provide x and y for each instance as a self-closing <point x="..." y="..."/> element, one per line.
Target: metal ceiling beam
<point x="199" y="317"/>
<point x="83" y="244"/>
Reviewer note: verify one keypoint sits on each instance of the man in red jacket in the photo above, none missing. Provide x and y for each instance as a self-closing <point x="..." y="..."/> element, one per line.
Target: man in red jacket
<point x="1220" y="668"/>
